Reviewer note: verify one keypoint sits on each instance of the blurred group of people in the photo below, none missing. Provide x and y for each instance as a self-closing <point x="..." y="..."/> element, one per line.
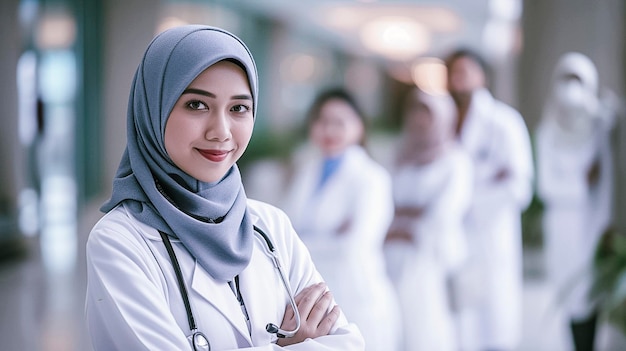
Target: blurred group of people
<point x="427" y="255"/>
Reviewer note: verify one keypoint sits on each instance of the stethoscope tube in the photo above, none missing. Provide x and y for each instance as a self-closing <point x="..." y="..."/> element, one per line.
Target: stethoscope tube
<point x="271" y="327"/>
<point x="199" y="341"/>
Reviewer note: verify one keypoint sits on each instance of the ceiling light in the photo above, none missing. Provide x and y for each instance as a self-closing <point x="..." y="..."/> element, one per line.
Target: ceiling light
<point x="430" y="75"/>
<point x="395" y="37"/>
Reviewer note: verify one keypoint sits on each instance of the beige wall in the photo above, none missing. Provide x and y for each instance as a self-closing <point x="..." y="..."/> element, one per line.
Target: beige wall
<point x="553" y="27"/>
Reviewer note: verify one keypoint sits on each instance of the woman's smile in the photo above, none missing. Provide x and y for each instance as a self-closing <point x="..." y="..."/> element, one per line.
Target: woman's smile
<point x="214" y="155"/>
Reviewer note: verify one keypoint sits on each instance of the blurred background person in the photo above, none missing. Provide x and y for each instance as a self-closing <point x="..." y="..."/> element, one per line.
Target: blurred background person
<point x="575" y="183"/>
<point x="340" y="202"/>
<point x="496" y="137"/>
<point x="432" y="181"/>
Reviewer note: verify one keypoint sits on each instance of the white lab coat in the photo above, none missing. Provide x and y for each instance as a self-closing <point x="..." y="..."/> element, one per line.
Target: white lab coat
<point x="496" y="136"/>
<point x="133" y="301"/>
<point x="421" y="270"/>
<point x="575" y="214"/>
<point x="352" y="263"/>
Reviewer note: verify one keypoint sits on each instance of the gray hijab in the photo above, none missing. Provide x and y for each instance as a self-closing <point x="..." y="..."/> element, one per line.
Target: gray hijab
<point x="210" y="219"/>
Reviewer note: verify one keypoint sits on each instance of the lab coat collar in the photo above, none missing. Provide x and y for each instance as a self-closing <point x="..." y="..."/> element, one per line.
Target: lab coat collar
<point x="482" y="102"/>
<point x="477" y="118"/>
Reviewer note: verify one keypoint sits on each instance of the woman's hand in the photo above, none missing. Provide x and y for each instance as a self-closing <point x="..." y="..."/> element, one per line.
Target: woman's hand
<point x="345" y="227"/>
<point x="593" y="173"/>
<point x="408" y="212"/>
<point x="399" y="235"/>
<point x="313" y="303"/>
<point x="502" y="175"/>
<point x="402" y="226"/>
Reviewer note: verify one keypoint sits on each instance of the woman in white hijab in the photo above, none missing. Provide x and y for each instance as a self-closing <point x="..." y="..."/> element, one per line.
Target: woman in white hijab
<point x="426" y="242"/>
<point x="574" y="165"/>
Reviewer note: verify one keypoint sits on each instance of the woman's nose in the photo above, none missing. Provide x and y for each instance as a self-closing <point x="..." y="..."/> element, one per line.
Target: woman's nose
<point x="218" y="128"/>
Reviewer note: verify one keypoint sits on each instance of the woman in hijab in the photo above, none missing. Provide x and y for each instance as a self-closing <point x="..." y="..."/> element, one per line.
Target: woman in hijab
<point x="425" y="243"/>
<point x="181" y="250"/>
<point x="575" y="183"/>
<point x="341" y="204"/>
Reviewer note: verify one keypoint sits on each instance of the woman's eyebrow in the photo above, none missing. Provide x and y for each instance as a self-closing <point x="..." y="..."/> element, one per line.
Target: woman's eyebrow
<point x="199" y="92"/>
<point x="241" y="97"/>
<point x="209" y="94"/>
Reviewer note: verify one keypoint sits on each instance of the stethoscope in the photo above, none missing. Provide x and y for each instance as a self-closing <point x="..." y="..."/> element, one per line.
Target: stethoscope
<point x="198" y="340"/>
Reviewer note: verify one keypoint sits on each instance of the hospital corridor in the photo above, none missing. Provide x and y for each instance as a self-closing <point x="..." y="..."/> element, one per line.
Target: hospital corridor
<point x="452" y="170"/>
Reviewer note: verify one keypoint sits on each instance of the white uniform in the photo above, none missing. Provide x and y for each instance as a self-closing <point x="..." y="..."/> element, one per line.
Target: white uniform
<point x="357" y="196"/>
<point x="575" y="215"/>
<point x="443" y="188"/>
<point x="496" y="137"/>
<point x="123" y="252"/>
<point x="573" y="135"/>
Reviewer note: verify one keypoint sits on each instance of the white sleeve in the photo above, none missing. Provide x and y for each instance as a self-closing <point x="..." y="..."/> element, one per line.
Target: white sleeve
<point x="512" y="152"/>
<point x="455" y="199"/>
<point x="115" y="261"/>
<point x="344" y="336"/>
<point x="450" y="208"/>
<point x="520" y="157"/>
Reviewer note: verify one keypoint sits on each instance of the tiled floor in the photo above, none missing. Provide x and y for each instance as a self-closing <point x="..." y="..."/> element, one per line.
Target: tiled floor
<point x="41" y="305"/>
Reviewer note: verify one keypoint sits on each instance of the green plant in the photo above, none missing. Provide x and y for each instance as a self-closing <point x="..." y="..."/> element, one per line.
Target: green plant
<point x="532" y="231"/>
<point x="609" y="277"/>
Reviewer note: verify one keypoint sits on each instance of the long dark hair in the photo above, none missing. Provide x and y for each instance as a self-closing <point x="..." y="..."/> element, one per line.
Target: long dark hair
<point x="472" y="55"/>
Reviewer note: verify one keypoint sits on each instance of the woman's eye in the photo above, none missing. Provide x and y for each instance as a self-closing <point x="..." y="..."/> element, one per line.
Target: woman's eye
<point x="197" y="105"/>
<point x="240" y="108"/>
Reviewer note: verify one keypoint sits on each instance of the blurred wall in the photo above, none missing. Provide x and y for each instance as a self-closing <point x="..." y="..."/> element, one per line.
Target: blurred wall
<point x="12" y="161"/>
<point x="553" y="27"/>
<point x="592" y="27"/>
<point x="129" y="28"/>
<point x="550" y="27"/>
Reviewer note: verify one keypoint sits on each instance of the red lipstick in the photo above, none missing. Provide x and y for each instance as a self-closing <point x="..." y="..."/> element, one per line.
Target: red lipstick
<point x="214" y="155"/>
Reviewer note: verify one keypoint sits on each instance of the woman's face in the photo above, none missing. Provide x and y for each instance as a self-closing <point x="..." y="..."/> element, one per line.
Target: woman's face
<point x="211" y="123"/>
<point x="465" y="75"/>
<point x="336" y="128"/>
<point x="419" y="119"/>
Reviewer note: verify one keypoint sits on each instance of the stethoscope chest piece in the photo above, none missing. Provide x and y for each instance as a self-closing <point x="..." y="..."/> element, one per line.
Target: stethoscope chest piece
<point x="200" y="342"/>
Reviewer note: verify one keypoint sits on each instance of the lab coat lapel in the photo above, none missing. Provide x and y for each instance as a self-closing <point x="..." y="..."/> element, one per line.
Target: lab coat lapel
<point x="222" y="298"/>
